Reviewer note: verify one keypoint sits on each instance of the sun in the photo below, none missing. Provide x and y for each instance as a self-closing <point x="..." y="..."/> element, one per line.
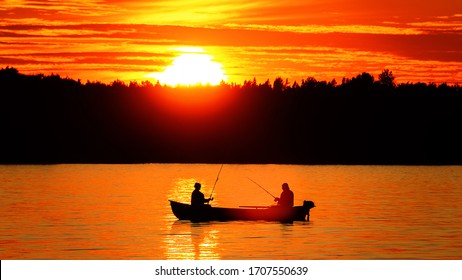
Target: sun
<point x="192" y="67"/>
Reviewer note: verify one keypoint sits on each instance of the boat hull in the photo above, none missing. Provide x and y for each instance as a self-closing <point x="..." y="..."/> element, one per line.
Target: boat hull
<point x="274" y="213"/>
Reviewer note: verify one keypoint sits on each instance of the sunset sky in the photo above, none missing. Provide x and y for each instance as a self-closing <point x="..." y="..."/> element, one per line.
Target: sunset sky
<point x="106" y="40"/>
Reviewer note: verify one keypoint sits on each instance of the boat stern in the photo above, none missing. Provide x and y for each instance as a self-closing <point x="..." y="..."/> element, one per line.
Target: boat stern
<point x="307" y="206"/>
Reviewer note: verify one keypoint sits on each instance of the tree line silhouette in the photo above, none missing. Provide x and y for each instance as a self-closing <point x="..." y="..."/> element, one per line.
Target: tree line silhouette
<point x="361" y="120"/>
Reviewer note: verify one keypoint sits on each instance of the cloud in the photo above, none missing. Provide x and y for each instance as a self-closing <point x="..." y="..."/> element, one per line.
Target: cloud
<point x="55" y="8"/>
<point x="91" y="39"/>
<point x="365" y="29"/>
<point x="440" y="24"/>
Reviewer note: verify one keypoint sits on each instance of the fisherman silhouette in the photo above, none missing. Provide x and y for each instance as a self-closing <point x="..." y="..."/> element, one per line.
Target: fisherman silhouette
<point x="287" y="197"/>
<point x="197" y="197"/>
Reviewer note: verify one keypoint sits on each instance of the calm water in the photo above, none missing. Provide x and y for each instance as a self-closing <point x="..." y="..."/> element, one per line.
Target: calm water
<point x="122" y="212"/>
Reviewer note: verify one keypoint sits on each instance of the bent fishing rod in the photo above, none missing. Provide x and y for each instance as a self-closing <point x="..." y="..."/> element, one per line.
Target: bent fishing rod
<point x="261" y="187"/>
<point x="216" y="182"/>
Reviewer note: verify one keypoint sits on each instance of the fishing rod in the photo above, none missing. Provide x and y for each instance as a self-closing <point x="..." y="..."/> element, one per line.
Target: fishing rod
<point x="261" y="187"/>
<point x="216" y="182"/>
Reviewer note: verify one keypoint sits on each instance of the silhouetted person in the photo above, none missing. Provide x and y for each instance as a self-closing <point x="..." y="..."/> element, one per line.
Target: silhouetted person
<point x="197" y="197"/>
<point x="287" y="197"/>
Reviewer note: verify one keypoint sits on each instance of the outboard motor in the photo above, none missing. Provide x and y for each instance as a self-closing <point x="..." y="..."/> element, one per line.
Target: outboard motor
<point x="307" y="205"/>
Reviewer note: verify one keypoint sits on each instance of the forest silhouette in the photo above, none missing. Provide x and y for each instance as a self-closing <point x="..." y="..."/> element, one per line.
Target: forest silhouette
<point x="48" y="119"/>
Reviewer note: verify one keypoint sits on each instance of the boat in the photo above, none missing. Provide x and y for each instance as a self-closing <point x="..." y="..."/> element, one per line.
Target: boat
<point x="207" y="212"/>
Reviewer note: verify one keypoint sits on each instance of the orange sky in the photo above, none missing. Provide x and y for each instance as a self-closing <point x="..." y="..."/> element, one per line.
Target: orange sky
<point x="129" y="39"/>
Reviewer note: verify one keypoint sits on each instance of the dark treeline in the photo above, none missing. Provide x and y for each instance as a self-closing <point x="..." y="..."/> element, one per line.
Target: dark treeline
<point x="362" y="120"/>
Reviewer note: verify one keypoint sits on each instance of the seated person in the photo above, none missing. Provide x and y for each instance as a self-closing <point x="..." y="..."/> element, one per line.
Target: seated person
<point x="197" y="197"/>
<point x="287" y="197"/>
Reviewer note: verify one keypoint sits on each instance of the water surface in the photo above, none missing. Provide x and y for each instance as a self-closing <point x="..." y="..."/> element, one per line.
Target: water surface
<point x="122" y="212"/>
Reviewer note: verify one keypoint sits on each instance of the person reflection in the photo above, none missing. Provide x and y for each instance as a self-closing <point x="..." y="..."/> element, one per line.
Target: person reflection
<point x="197" y="197"/>
<point x="287" y="197"/>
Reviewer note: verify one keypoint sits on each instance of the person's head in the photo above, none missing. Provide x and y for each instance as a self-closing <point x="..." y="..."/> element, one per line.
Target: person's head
<point x="285" y="186"/>
<point x="197" y="186"/>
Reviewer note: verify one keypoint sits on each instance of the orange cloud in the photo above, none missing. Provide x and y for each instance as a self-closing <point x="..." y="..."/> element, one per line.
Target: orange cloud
<point x="121" y="39"/>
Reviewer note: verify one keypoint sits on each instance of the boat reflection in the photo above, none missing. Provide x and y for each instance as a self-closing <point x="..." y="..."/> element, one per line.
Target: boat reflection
<point x="191" y="241"/>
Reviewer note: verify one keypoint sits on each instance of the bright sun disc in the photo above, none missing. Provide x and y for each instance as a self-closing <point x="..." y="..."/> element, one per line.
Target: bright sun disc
<point x="192" y="69"/>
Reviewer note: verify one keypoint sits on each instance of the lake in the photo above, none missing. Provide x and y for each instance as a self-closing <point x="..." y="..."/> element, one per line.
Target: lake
<point x="122" y="212"/>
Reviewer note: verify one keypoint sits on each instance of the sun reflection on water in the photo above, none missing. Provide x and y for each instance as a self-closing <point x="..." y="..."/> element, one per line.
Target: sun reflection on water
<point x="183" y="187"/>
<point x="185" y="240"/>
<point x="181" y="190"/>
<point x="188" y="241"/>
